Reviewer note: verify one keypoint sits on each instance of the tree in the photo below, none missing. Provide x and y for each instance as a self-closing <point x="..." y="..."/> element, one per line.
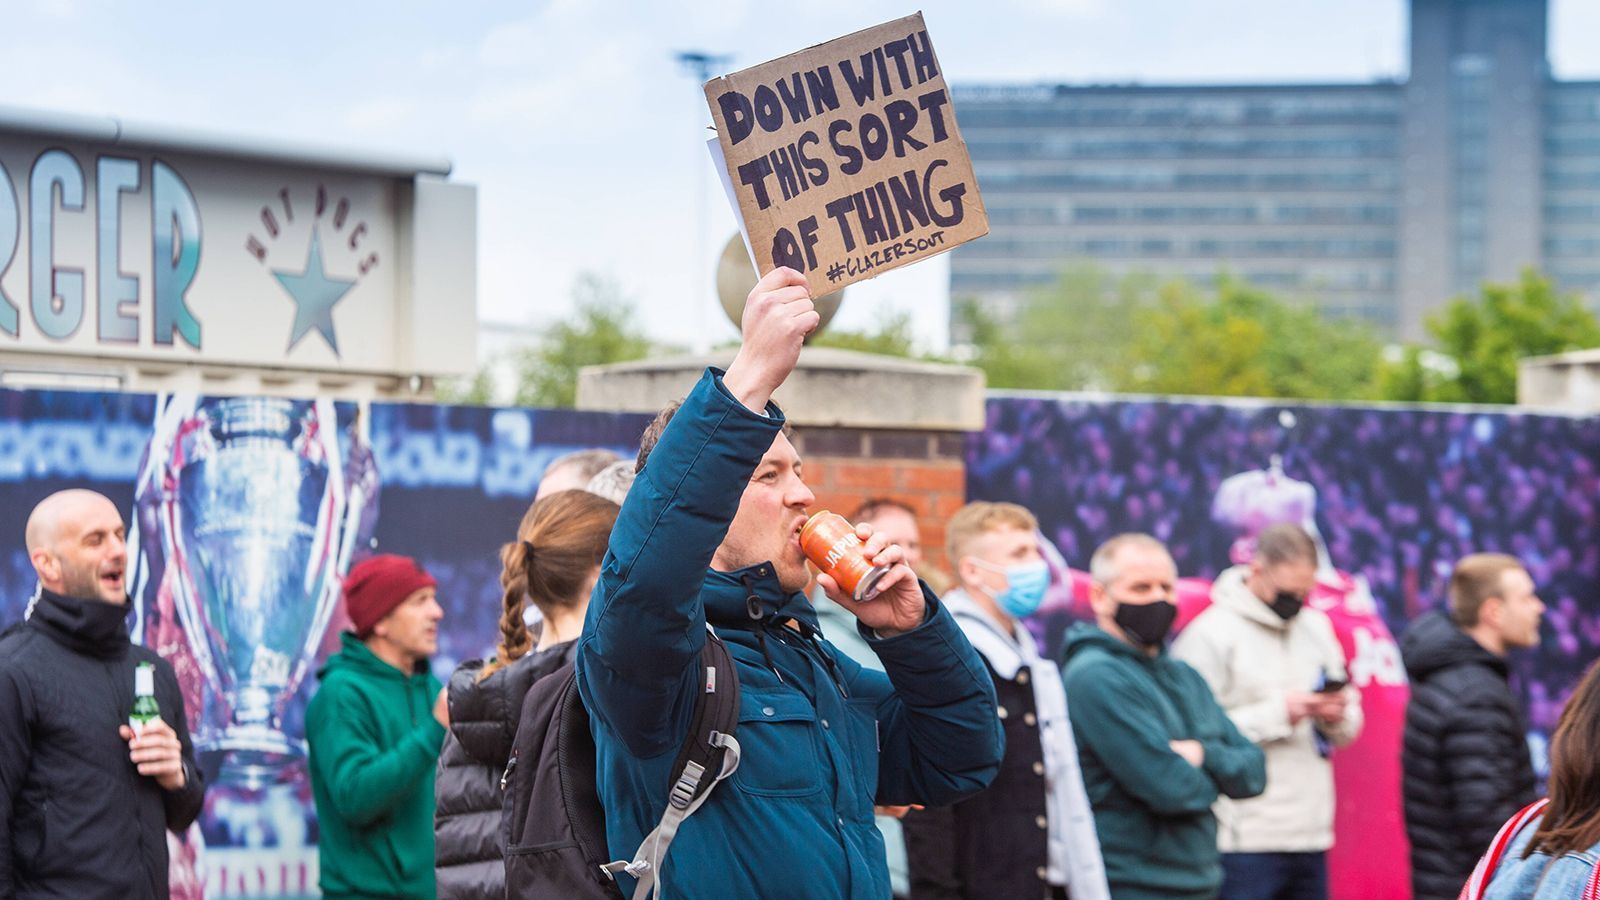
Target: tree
<point x="892" y="337"/>
<point x="476" y="391"/>
<point x="1091" y="330"/>
<point x="600" y="331"/>
<point x="1243" y="341"/>
<point x="1481" y="339"/>
<point x="1069" y="335"/>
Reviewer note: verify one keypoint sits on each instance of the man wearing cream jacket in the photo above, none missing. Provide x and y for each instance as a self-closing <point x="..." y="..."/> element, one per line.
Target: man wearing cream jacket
<point x="1278" y="671"/>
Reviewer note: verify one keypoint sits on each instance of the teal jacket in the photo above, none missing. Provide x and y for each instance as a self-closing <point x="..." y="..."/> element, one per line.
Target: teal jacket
<point x="373" y="743"/>
<point x="839" y="627"/>
<point x="1152" y="809"/>
<point x="823" y="738"/>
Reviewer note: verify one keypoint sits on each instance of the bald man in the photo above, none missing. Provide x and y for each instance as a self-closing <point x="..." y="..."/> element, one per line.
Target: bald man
<point x="85" y="802"/>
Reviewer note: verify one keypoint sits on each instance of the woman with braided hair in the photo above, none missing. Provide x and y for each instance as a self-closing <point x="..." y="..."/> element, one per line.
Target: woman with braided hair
<point x="552" y="565"/>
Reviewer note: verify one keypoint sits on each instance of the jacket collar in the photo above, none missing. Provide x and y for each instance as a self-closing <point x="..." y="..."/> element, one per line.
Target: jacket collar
<point x="1085" y="635"/>
<point x="728" y="598"/>
<point x="1006" y="653"/>
<point x="1232" y="592"/>
<point x="90" y="627"/>
<point x="355" y="655"/>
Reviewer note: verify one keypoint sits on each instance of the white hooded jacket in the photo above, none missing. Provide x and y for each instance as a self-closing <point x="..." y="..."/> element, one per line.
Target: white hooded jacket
<point x="1253" y="659"/>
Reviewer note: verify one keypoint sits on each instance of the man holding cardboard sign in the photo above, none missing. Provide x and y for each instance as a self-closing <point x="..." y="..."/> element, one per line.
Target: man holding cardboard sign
<point x="709" y="535"/>
<point x="845" y="159"/>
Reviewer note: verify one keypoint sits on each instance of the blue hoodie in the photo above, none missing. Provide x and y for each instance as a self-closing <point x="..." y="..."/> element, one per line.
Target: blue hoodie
<point x="821" y="743"/>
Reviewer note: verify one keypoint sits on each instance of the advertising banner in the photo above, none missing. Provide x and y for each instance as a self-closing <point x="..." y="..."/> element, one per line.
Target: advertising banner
<point x="1393" y="496"/>
<point x="243" y="514"/>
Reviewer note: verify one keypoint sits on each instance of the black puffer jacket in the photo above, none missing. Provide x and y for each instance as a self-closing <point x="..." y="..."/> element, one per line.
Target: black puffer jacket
<point x="483" y="722"/>
<point x="76" y="817"/>
<point x="1466" y="763"/>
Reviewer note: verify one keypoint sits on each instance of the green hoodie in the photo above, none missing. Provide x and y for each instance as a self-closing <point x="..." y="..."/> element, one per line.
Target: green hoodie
<point x="373" y="742"/>
<point x="1152" y="809"/>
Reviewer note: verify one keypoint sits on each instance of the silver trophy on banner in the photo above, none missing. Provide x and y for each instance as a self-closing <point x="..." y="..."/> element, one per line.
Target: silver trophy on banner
<point x="257" y="525"/>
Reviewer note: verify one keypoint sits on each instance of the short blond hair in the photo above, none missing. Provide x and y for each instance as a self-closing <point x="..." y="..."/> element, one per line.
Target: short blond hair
<point x="979" y="518"/>
<point x="1478" y="577"/>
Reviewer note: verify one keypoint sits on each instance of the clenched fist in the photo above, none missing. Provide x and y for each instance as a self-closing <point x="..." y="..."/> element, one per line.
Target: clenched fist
<point x="777" y="317"/>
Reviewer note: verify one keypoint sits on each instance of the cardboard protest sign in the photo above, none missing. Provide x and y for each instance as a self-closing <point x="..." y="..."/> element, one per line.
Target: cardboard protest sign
<point x="845" y="158"/>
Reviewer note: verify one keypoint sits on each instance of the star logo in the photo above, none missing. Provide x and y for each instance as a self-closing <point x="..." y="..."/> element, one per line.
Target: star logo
<point x="314" y="295"/>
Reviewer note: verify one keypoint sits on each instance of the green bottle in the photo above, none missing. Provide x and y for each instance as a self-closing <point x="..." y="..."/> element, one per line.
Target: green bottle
<point x="145" y="708"/>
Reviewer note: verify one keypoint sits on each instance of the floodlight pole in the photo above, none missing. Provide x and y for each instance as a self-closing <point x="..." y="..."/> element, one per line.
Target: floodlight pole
<point x="701" y="65"/>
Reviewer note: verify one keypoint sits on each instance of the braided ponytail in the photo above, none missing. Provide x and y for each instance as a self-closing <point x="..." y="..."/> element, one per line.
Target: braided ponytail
<point x="560" y="543"/>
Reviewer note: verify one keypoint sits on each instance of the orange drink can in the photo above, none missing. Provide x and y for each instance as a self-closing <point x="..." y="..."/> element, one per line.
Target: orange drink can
<point x="830" y="542"/>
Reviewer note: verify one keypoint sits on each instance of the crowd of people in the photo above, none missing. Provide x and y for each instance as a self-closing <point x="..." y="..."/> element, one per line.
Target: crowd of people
<point x="675" y="691"/>
<point x="1401" y="495"/>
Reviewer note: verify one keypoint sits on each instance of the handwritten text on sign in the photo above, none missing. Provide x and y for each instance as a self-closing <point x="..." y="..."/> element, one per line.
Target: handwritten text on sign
<point x="846" y="159"/>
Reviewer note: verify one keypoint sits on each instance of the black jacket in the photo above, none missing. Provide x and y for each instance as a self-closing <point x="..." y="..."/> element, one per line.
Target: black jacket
<point x="1465" y="759"/>
<point x="76" y="818"/>
<point x="483" y="721"/>
<point x="992" y="844"/>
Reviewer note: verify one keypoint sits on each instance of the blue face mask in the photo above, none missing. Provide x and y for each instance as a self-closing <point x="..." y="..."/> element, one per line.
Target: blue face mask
<point x="1025" y="586"/>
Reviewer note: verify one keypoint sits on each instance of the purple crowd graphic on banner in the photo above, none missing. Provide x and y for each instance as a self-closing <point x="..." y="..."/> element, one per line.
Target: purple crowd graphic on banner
<point x="1394" y="496"/>
<point x="243" y="514"/>
<point x="304" y="488"/>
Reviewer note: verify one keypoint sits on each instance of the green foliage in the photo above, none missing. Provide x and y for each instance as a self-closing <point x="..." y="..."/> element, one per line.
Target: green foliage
<point x="601" y="330"/>
<point x="1007" y="361"/>
<point x="892" y="337"/>
<point x="1481" y="339"/>
<point x="475" y="391"/>
<point x="1091" y="330"/>
<point x="1244" y="342"/>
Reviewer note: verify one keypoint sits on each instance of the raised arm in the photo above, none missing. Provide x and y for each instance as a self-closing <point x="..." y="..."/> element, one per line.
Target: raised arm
<point x="646" y="624"/>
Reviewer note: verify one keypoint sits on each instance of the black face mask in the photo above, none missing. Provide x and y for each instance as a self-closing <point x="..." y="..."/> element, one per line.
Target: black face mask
<point x="1146" y="624"/>
<point x="1287" y="605"/>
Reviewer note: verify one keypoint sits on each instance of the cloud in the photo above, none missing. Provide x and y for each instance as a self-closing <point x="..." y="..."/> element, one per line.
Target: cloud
<point x="567" y="68"/>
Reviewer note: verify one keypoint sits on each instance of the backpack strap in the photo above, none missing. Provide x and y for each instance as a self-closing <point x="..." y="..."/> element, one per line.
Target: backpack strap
<point x="709" y="746"/>
<point x="1490" y="861"/>
<point x="1591" y="891"/>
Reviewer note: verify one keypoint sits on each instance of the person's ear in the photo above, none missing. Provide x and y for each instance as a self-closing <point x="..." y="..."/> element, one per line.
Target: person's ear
<point x="1098" y="599"/>
<point x="966" y="570"/>
<point x="1492" y="612"/>
<point x="47" y="566"/>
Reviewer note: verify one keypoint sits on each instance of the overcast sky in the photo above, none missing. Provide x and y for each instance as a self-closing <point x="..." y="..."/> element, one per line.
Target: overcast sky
<point x="584" y="136"/>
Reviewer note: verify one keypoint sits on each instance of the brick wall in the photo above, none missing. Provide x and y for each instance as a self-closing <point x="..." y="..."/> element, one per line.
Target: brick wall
<point x="923" y="469"/>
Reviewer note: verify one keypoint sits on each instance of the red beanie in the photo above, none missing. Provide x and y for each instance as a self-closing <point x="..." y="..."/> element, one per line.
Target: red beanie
<point x="376" y="585"/>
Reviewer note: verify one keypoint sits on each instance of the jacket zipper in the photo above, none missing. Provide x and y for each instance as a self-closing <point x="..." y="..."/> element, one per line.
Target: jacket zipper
<point x="505" y="778"/>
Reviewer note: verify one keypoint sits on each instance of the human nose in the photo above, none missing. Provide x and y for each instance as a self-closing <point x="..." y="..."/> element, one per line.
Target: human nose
<point x="800" y="496"/>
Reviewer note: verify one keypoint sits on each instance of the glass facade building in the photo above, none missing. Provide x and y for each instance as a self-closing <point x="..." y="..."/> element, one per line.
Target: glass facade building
<point x="1377" y="201"/>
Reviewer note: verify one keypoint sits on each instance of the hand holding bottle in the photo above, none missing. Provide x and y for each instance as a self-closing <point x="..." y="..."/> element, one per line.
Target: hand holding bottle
<point x="156" y="751"/>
